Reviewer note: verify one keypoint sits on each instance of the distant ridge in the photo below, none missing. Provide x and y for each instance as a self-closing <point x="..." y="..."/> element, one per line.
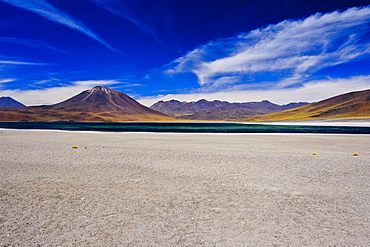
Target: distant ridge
<point x="8" y="102"/>
<point x="219" y="110"/>
<point x="177" y="107"/>
<point x="348" y="105"/>
<point x="98" y="104"/>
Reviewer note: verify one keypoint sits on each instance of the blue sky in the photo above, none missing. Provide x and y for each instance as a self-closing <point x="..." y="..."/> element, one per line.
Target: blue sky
<point x="234" y="50"/>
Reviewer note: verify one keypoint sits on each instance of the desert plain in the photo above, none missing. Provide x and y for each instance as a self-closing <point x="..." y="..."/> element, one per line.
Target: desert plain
<point x="166" y="189"/>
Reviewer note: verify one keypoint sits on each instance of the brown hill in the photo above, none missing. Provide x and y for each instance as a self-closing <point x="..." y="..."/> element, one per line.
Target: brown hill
<point x="349" y="105"/>
<point x="97" y="104"/>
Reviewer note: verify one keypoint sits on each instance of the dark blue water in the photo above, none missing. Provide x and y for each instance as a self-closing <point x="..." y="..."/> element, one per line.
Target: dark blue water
<point x="185" y="127"/>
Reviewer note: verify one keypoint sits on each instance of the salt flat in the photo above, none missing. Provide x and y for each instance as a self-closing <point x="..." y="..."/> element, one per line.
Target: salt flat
<point x="152" y="189"/>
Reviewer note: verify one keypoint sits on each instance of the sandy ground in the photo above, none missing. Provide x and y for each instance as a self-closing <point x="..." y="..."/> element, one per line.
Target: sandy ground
<point x="150" y="189"/>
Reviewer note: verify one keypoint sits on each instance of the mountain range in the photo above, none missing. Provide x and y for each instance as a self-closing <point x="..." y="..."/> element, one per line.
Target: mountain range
<point x="101" y="104"/>
<point x="219" y="110"/>
<point x="8" y="102"/>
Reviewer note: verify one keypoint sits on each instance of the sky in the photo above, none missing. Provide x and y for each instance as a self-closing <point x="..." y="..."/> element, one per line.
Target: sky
<point x="235" y="50"/>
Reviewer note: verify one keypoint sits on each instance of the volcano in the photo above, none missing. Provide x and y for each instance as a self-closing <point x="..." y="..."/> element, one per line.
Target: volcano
<point x="101" y="99"/>
<point x="99" y="104"/>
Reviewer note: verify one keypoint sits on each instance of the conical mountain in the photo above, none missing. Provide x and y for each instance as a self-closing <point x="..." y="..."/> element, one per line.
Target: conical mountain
<point x="344" y="106"/>
<point x="99" y="104"/>
<point x="8" y="102"/>
<point x="102" y="99"/>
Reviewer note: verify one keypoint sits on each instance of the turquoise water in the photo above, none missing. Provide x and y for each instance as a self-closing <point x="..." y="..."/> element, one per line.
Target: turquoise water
<point x="185" y="127"/>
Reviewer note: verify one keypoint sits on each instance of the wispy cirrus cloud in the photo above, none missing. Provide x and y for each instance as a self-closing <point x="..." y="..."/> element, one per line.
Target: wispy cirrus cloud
<point x="124" y="10"/>
<point x="16" y="61"/>
<point x="19" y="62"/>
<point x="37" y="44"/>
<point x="49" y="12"/>
<point x="5" y="80"/>
<point x="293" y="49"/>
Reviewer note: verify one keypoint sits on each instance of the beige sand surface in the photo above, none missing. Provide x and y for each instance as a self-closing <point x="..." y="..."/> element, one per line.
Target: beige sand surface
<point x="183" y="189"/>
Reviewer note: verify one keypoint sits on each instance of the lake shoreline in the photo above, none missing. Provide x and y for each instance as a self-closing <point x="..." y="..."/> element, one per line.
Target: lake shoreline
<point x="191" y="127"/>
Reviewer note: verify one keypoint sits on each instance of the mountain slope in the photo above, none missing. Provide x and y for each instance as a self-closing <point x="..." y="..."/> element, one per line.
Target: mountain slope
<point x="177" y="107"/>
<point x="219" y="110"/>
<point x="234" y="111"/>
<point x="8" y="102"/>
<point x="349" y="105"/>
<point x="94" y="105"/>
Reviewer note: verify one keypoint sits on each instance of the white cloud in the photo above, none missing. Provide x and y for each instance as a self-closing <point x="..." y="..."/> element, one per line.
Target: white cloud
<point x="47" y="11"/>
<point x="5" y="80"/>
<point x="310" y="92"/>
<point x="54" y="94"/>
<point x="294" y="47"/>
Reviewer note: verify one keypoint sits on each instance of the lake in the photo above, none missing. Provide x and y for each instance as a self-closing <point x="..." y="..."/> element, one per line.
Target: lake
<point x="185" y="127"/>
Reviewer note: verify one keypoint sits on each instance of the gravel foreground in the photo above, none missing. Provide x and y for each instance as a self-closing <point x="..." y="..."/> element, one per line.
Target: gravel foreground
<point x="153" y="189"/>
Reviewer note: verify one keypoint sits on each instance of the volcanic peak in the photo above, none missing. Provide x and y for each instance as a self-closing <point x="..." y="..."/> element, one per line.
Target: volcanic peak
<point x="99" y="88"/>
